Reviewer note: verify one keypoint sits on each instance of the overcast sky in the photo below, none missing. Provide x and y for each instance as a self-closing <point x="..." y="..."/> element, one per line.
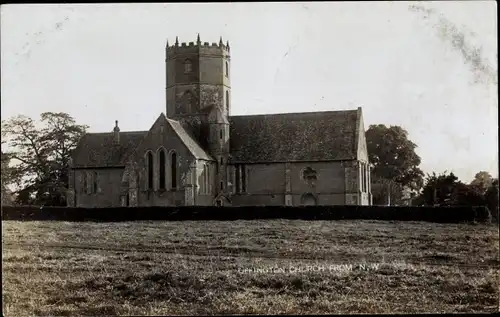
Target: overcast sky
<point x="418" y="67"/>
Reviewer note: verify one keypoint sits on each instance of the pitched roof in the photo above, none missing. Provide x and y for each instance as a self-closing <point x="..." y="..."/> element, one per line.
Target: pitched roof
<point x="188" y="138"/>
<point x="98" y="149"/>
<point x="308" y="136"/>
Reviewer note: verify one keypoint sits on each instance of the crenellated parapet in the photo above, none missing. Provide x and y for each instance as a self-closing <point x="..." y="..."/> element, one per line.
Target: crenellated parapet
<point x="197" y="47"/>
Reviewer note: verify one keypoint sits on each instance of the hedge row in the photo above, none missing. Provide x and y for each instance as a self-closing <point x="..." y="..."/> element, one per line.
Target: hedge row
<point x="430" y="214"/>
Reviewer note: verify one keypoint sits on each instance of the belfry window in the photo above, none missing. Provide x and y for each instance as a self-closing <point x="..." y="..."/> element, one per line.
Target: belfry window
<point x="227" y="69"/>
<point x="227" y="101"/>
<point x="188" y="66"/>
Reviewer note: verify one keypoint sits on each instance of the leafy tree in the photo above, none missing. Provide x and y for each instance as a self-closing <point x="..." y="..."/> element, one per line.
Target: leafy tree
<point x="438" y="189"/>
<point x="395" y="165"/>
<point x="42" y="155"/>
<point x="483" y="180"/>
<point x="6" y="178"/>
<point x="492" y="196"/>
<point x="386" y="191"/>
<point x="6" y="169"/>
<point x="447" y="190"/>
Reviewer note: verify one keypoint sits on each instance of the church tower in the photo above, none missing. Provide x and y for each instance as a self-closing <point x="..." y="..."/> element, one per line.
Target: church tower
<point x="199" y="95"/>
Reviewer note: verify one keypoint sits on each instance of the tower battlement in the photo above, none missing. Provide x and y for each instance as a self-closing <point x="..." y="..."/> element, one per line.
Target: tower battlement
<point x="197" y="48"/>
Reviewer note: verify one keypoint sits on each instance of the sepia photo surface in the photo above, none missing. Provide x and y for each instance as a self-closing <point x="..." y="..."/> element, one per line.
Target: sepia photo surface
<point x="249" y="158"/>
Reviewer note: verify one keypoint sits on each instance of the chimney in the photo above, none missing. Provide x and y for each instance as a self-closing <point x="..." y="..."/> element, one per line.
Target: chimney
<point x="116" y="133"/>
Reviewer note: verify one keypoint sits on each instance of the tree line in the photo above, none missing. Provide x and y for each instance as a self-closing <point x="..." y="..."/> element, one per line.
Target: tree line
<point x="398" y="180"/>
<point x="38" y="156"/>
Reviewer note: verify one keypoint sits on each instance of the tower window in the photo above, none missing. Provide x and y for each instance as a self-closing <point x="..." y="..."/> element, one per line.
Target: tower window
<point x="221" y="185"/>
<point x="227" y="101"/>
<point x="221" y="136"/>
<point x="227" y="69"/>
<point x="221" y="161"/>
<point x="188" y="66"/>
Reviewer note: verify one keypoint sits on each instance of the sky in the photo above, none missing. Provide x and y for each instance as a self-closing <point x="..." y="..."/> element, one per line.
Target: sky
<point x="429" y="67"/>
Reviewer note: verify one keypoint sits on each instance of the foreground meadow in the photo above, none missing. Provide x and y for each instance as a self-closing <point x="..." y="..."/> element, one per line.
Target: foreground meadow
<point x="248" y="267"/>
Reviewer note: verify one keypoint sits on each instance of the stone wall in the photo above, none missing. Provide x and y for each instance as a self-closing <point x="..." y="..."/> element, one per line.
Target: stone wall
<point x="287" y="183"/>
<point x="108" y="187"/>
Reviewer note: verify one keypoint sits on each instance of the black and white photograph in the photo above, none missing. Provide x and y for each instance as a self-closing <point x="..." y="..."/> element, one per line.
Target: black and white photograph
<point x="249" y="158"/>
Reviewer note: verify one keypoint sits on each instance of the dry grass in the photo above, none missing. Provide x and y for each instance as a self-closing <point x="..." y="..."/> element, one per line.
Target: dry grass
<point x="247" y="267"/>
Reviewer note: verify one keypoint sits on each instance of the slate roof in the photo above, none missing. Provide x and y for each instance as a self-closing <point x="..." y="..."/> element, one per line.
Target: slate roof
<point x="98" y="149"/>
<point x="289" y="137"/>
<point x="308" y="136"/>
<point x="189" y="140"/>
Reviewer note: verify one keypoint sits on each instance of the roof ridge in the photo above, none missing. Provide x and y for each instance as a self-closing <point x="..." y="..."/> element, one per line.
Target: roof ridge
<point x="134" y="150"/>
<point x="135" y="131"/>
<point x="293" y="113"/>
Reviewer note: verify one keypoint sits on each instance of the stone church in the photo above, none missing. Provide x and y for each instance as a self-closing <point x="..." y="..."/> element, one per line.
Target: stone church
<point x="200" y="154"/>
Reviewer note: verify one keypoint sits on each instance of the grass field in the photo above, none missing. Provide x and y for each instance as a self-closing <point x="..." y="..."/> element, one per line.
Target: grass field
<point x="248" y="267"/>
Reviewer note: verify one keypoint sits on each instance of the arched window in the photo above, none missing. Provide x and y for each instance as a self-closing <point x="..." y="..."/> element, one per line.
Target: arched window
<point x="308" y="200"/>
<point x="188" y="66"/>
<point x="162" y="163"/>
<point x="186" y="103"/>
<point x="173" y="170"/>
<point x="150" y="167"/>
<point x="95" y="183"/>
<point x="208" y="179"/>
<point x="238" y="178"/>
<point x="85" y="183"/>
<point x="227" y="69"/>
<point x="227" y="101"/>
<point x="205" y="179"/>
